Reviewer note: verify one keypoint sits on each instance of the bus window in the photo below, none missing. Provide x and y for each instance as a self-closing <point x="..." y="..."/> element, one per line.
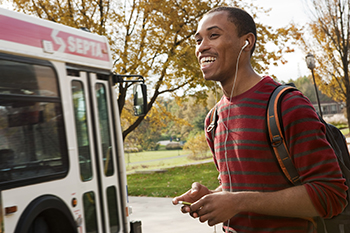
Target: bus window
<point x="90" y="212"/>
<point x="104" y="129"/>
<point x="27" y="79"/>
<point x="32" y="137"/>
<point x="112" y="209"/>
<point x="79" y="105"/>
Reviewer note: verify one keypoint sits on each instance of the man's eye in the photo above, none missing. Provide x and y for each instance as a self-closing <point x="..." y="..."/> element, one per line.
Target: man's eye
<point x="214" y="35"/>
<point x="198" y="41"/>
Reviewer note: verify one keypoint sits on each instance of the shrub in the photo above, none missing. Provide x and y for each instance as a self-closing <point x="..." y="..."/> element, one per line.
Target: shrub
<point x="173" y="146"/>
<point x="198" y="147"/>
<point x="338" y="120"/>
<point x="133" y="149"/>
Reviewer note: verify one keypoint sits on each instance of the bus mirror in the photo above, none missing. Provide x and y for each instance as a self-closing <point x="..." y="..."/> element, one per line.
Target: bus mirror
<point x="140" y="99"/>
<point x="140" y="91"/>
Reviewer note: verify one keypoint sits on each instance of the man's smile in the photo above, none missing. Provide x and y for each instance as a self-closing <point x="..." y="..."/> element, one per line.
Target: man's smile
<point x="205" y="61"/>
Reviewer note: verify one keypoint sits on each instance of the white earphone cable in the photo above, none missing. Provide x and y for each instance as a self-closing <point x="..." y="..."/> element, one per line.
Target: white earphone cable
<point x="227" y="130"/>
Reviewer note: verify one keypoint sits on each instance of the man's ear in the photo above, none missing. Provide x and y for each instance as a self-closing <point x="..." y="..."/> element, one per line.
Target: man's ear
<point x="250" y="37"/>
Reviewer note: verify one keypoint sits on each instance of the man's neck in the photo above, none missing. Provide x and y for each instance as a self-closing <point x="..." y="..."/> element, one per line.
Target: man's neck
<point x="245" y="81"/>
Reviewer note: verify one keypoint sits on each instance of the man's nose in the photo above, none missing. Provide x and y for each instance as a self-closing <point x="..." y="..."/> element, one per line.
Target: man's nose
<point x="203" y="46"/>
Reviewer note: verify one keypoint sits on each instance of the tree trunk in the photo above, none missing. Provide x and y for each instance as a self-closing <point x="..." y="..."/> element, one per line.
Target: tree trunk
<point x="347" y="83"/>
<point x="347" y="104"/>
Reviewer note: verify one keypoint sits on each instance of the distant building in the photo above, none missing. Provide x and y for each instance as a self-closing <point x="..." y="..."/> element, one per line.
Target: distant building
<point x="330" y="108"/>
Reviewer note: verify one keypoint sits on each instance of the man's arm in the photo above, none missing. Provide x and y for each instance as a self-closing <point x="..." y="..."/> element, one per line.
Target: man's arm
<point x="221" y="206"/>
<point x="312" y="155"/>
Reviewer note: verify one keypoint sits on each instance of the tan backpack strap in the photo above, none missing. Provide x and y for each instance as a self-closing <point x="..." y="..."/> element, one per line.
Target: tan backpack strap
<point x="276" y="135"/>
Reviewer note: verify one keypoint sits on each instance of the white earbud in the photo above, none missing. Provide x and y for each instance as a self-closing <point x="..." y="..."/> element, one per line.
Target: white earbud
<point x="246" y="44"/>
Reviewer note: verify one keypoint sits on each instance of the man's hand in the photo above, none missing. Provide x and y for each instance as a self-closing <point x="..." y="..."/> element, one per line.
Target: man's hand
<point x="216" y="207"/>
<point x="194" y="194"/>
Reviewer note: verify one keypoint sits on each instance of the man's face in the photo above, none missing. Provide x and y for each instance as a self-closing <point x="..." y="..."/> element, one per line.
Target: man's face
<point x="217" y="47"/>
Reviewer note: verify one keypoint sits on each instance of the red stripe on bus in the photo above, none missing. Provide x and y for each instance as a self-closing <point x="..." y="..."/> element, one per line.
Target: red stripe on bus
<point x="26" y="33"/>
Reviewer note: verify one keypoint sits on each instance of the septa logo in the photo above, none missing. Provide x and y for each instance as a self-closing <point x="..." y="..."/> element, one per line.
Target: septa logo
<point x="85" y="47"/>
<point x="77" y="45"/>
<point x="58" y="40"/>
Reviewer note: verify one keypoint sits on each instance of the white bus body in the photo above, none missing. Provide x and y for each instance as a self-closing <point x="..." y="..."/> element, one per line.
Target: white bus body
<point x="61" y="148"/>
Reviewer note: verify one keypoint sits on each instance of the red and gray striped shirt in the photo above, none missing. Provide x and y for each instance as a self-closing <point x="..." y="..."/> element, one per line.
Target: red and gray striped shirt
<point x="252" y="166"/>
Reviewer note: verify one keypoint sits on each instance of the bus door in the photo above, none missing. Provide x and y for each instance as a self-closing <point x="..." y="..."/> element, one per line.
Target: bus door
<point x="101" y="205"/>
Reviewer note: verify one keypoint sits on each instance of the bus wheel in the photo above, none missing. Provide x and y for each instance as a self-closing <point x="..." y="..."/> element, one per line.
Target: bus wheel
<point x="46" y="214"/>
<point x="39" y="225"/>
<point x="51" y="221"/>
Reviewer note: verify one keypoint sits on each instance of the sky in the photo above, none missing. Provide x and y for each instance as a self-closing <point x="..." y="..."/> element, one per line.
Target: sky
<point x="282" y="13"/>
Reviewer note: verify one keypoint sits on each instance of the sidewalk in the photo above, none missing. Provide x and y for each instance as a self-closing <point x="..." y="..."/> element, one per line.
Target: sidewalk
<point x="159" y="215"/>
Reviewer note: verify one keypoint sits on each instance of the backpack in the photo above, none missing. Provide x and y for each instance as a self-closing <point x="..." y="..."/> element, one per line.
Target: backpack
<point x="341" y="222"/>
<point x="337" y="224"/>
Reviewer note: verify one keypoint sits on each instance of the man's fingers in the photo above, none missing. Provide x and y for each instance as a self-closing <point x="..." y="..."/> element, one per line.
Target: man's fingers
<point x="204" y="212"/>
<point x="194" y="214"/>
<point x="208" y="218"/>
<point x="203" y="218"/>
<point x="197" y="205"/>
<point x="195" y="188"/>
<point x="185" y="209"/>
<point x="175" y="201"/>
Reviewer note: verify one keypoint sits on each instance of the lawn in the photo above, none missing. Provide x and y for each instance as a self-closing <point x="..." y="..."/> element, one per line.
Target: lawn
<point x="173" y="181"/>
<point x="155" y="160"/>
<point x="345" y="131"/>
<point x="152" y="155"/>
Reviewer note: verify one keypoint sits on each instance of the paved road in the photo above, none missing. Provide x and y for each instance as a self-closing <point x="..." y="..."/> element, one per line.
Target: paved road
<point x="159" y="215"/>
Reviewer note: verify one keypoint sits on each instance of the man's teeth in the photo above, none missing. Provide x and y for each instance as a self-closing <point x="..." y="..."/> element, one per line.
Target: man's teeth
<point x="205" y="60"/>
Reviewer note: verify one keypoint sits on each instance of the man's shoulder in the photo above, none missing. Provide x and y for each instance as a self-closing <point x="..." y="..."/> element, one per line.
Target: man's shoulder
<point x="266" y="85"/>
<point x="296" y="97"/>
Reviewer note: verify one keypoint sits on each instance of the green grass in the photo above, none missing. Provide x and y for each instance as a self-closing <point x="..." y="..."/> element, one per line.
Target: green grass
<point x="345" y="131"/>
<point x="155" y="160"/>
<point x="152" y="155"/>
<point x="173" y="182"/>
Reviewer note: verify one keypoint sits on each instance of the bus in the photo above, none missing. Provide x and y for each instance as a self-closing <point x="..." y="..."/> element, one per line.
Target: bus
<point x="62" y="164"/>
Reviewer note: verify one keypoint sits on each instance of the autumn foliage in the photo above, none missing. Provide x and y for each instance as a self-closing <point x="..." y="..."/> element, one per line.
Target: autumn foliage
<point x="154" y="38"/>
<point x="327" y="38"/>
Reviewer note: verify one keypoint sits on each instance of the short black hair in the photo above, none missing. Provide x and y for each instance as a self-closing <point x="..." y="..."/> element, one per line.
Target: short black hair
<point x="240" y="18"/>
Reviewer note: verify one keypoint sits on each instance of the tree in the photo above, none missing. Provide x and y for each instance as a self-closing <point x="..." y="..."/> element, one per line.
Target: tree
<point x="191" y="112"/>
<point x="330" y="43"/>
<point x="198" y="146"/>
<point x="306" y="86"/>
<point x="153" y="38"/>
<point x="158" y="121"/>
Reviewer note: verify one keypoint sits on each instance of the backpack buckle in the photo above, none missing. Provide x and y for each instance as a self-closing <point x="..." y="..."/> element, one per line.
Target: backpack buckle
<point x="276" y="141"/>
<point x="210" y="127"/>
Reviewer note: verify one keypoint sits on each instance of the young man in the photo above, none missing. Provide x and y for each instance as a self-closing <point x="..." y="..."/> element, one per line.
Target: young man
<point x="254" y="195"/>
